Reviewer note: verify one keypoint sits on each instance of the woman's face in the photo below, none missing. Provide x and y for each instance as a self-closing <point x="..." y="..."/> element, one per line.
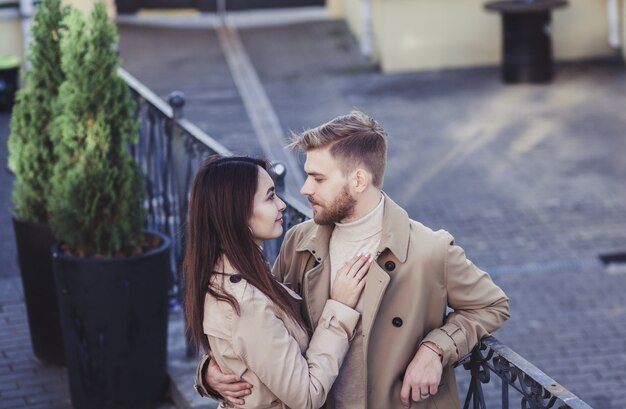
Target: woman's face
<point x="266" y="221"/>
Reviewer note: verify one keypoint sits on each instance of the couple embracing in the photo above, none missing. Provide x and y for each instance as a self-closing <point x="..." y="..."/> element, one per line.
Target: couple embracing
<point x="363" y="308"/>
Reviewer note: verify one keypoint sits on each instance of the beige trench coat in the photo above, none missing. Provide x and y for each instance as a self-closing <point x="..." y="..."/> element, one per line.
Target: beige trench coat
<point x="418" y="273"/>
<point x="270" y="351"/>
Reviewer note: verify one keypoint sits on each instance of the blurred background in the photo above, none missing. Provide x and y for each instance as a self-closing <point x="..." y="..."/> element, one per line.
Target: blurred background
<point x="506" y="124"/>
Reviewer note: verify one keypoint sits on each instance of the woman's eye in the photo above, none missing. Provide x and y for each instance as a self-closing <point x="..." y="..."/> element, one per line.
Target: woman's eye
<point x="272" y="196"/>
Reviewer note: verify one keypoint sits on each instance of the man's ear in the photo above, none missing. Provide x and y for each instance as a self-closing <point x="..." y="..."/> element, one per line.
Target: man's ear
<point x="361" y="180"/>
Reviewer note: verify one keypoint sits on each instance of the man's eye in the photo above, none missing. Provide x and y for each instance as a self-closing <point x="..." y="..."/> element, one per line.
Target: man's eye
<point x="272" y="196"/>
<point x="318" y="180"/>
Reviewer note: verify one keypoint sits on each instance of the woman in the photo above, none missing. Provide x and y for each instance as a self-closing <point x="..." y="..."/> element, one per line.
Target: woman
<point x="235" y="308"/>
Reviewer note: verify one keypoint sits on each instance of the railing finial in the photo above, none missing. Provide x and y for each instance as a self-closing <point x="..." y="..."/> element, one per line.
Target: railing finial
<point x="280" y="171"/>
<point x="177" y="101"/>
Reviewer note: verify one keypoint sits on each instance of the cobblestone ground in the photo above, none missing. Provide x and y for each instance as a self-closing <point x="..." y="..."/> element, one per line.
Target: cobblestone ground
<point x="24" y="382"/>
<point x="529" y="179"/>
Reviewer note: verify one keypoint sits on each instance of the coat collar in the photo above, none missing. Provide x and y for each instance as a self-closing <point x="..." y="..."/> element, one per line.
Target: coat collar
<point x="396" y="230"/>
<point x="395" y="234"/>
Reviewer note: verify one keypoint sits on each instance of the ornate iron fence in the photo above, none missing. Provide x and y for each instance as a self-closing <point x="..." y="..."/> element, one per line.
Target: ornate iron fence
<point x="536" y="390"/>
<point x="170" y="150"/>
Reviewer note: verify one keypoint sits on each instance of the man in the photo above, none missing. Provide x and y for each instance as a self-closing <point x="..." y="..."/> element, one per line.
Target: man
<point x="425" y="305"/>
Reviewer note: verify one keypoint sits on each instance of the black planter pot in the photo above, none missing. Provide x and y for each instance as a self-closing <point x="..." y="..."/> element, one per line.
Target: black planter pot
<point x="35" y="260"/>
<point x="114" y="316"/>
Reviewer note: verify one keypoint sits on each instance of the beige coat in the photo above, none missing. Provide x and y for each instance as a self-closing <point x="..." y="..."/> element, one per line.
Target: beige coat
<point x="270" y="351"/>
<point x="418" y="274"/>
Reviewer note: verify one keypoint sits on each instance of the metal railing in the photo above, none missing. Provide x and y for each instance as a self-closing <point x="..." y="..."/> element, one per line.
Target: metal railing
<point x="170" y="150"/>
<point x="536" y="390"/>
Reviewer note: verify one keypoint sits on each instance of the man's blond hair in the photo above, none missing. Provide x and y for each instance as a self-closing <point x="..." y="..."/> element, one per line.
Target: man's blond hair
<point x="354" y="140"/>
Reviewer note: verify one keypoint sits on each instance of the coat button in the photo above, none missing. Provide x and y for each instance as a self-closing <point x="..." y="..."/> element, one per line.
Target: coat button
<point x="235" y="278"/>
<point x="390" y="266"/>
<point x="397" y="322"/>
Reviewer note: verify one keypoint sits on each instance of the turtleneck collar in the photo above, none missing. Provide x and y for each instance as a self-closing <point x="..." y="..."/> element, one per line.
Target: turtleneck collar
<point x="363" y="228"/>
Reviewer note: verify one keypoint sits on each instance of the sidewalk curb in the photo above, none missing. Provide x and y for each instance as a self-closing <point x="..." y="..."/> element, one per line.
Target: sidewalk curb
<point x="240" y="19"/>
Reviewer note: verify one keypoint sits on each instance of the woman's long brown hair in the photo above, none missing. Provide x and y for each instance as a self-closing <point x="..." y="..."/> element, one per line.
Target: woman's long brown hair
<point x="221" y="203"/>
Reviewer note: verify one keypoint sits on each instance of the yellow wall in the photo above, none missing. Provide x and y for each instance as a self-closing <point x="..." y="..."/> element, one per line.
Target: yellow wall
<point x="11" y="35"/>
<point x="11" y="28"/>
<point x="413" y="35"/>
<point x="86" y="5"/>
<point x="335" y="8"/>
<point x="581" y="30"/>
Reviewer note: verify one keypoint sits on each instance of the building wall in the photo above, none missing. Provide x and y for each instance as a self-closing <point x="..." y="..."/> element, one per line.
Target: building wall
<point x="86" y="5"/>
<point x="10" y="32"/>
<point x="413" y="35"/>
<point x="11" y="27"/>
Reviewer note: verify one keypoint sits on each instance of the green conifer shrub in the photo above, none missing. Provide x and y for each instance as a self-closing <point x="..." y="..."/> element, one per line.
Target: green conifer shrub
<point x="31" y="153"/>
<point x="95" y="200"/>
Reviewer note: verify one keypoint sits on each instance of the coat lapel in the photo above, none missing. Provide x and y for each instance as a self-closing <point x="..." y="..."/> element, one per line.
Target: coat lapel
<point x="395" y="238"/>
<point x="317" y="291"/>
<point x="375" y="286"/>
<point x="316" y="282"/>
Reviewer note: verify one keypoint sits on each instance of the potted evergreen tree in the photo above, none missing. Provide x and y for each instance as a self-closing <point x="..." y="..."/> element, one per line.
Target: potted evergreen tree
<point x="112" y="277"/>
<point x="31" y="158"/>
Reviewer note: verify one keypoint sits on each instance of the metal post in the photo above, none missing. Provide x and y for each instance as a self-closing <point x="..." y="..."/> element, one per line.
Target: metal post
<point x="280" y="172"/>
<point x="180" y="161"/>
<point x="505" y="394"/>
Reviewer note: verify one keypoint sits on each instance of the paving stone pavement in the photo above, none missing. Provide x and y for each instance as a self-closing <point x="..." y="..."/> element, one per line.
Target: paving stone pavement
<point x="529" y="179"/>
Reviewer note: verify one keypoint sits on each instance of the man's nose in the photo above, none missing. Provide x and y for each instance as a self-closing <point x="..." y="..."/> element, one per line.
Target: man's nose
<point x="305" y="190"/>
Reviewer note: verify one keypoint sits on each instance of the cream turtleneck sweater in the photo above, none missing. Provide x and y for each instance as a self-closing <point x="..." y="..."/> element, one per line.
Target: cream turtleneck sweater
<point x="347" y="240"/>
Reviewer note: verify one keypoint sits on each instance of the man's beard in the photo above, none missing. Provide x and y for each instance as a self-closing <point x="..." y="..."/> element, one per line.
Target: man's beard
<point x="342" y="207"/>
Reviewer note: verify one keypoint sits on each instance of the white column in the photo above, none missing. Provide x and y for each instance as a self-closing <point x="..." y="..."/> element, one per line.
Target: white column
<point x="366" y="38"/>
<point x="613" y="14"/>
<point x="27" y="10"/>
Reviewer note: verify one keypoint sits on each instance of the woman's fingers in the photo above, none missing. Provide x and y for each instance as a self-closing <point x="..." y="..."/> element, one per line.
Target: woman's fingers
<point x="233" y="389"/>
<point x="235" y="401"/>
<point x="358" y="264"/>
<point x="364" y="269"/>
<point x="348" y="267"/>
<point x="238" y="393"/>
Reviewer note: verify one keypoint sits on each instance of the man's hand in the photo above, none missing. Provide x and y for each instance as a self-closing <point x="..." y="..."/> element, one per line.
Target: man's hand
<point x="422" y="376"/>
<point x="231" y="387"/>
